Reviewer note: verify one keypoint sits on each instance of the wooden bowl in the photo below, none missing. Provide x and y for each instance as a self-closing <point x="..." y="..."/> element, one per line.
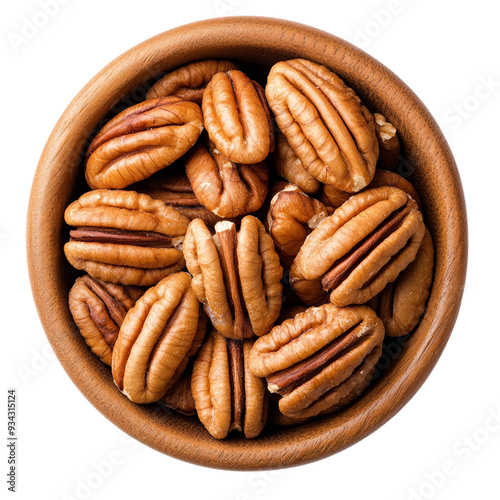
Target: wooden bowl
<point x="257" y="43"/>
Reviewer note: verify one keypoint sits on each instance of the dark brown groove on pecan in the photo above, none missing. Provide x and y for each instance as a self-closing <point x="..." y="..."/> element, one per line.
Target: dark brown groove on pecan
<point x="121" y="237"/>
<point x="236" y="377"/>
<point x="225" y="242"/>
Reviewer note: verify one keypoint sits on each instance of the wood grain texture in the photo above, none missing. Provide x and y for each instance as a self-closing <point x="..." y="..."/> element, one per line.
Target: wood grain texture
<point x="258" y="42"/>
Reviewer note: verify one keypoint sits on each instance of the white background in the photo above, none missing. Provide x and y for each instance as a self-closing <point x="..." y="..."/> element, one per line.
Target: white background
<point x="444" y="444"/>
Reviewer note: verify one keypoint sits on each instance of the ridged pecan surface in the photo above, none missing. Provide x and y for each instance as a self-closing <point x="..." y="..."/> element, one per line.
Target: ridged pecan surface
<point x="319" y="357"/>
<point x="125" y="237"/>
<point x="237" y="118"/>
<point x="227" y="395"/>
<point x="236" y="275"/>
<point x="363" y="246"/>
<point x="327" y="126"/>
<point x="154" y="339"/>
<point x="142" y="140"/>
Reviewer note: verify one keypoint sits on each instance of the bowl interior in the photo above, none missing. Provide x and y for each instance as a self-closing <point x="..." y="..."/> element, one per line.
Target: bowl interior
<point x="256" y="44"/>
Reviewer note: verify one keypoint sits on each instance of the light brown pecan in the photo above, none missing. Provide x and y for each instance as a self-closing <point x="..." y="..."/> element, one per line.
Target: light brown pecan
<point x="334" y="197"/>
<point x="226" y="188"/>
<point x="142" y="140"/>
<point x="154" y="339"/>
<point x="189" y="82"/>
<point x="236" y="275"/>
<point x="201" y="332"/>
<point x="125" y="237"/>
<point x="99" y="309"/>
<point x="325" y="123"/>
<point x="292" y="216"/>
<point x="319" y="357"/>
<point x="363" y="246"/>
<point x="237" y="117"/>
<point x="227" y="395"/>
<point x="402" y="302"/>
<point x="173" y="188"/>
<point x="289" y="166"/>
<point x="388" y="143"/>
<point x="179" y="396"/>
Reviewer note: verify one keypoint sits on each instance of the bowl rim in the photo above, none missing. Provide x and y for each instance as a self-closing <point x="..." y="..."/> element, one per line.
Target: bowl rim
<point x="166" y="432"/>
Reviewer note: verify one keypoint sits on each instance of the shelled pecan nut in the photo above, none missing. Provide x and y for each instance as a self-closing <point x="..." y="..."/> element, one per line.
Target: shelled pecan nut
<point x="142" y="140"/>
<point x="326" y="124"/>
<point x="401" y="303"/>
<point x="125" y="237"/>
<point x="189" y="82"/>
<point x="226" y="188"/>
<point x="237" y="276"/>
<point x="227" y="395"/>
<point x="363" y="246"/>
<point x="289" y="166"/>
<point x="292" y="216"/>
<point x="237" y="117"/>
<point x="389" y="148"/>
<point x="173" y="188"/>
<point x="333" y="197"/>
<point x="154" y="339"/>
<point x="319" y="357"/>
<point x="98" y="309"/>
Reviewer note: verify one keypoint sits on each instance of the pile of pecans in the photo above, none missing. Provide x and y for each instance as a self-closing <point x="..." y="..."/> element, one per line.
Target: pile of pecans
<point x="241" y="186"/>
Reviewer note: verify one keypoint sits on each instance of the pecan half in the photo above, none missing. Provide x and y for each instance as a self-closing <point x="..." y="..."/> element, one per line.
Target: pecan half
<point x="237" y="117"/>
<point x="226" y="188"/>
<point x="154" y="339"/>
<point x="125" y="237"/>
<point x="402" y="302"/>
<point x="289" y="166"/>
<point x="389" y="148"/>
<point x="319" y="357"/>
<point x="291" y="217"/>
<point x="325" y="123"/>
<point x="227" y="395"/>
<point x="142" y="140"/>
<point x="237" y="276"/>
<point x="333" y="197"/>
<point x="363" y="246"/>
<point x="99" y="309"/>
<point x="174" y="189"/>
<point x="189" y="82"/>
